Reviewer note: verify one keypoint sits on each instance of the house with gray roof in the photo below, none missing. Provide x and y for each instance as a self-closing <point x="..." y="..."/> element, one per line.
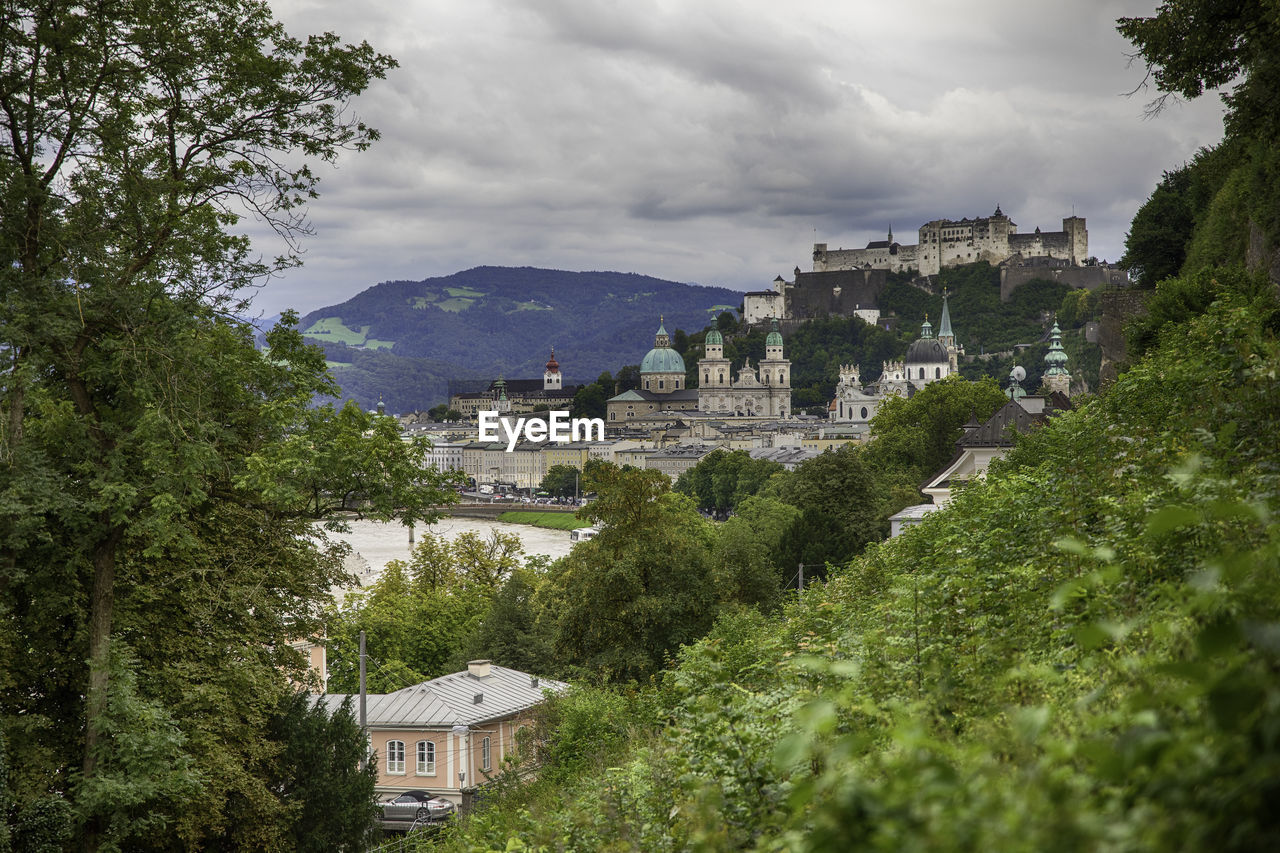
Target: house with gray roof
<point x="451" y="734"/>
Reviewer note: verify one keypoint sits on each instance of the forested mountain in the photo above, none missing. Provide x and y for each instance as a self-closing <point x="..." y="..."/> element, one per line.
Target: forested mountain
<point x="487" y="321"/>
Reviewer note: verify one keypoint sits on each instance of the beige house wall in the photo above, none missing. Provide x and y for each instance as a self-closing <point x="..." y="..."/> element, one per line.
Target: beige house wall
<point x="453" y="753"/>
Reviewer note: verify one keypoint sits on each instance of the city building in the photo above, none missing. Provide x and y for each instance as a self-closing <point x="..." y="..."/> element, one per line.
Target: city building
<point x="451" y="734"/>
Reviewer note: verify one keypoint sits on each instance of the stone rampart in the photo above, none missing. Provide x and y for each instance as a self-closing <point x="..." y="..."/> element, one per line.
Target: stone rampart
<point x="1013" y="277"/>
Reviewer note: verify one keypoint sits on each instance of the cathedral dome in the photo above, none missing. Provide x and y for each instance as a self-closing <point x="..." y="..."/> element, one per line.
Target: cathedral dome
<point x="662" y="360"/>
<point x="926" y="351"/>
<point x="774" y="338"/>
<point x="714" y="338"/>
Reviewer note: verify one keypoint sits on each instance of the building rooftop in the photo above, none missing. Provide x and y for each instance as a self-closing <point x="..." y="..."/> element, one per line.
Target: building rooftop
<point x="452" y="699"/>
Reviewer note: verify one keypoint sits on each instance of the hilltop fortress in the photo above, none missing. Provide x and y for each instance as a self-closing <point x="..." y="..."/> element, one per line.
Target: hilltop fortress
<point x="948" y="243"/>
<point x="847" y="282"/>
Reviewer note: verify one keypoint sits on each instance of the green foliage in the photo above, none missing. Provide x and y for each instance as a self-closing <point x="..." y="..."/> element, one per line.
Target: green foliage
<point x="322" y="776"/>
<point x="1156" y="245"/>
<point x="841" y="499"/>
<point x="625" y="600"/>
<point x="417" y="616"/>
<point x="561" y="481"/>
<point x="745" y="557"/>
<point x="145" y="774"/>
<point x="723" y="479"/>
<point x="915" y="436"/>
<point x="1069" y="656"/>
<point x="510" y="633"/>
<point x="1178" y="300"/>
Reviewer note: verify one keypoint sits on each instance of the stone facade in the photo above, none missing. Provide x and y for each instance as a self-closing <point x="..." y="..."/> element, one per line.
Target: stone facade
<point x="761" y="391"/>
<point x="947" y="243"/>
<point x="811" y="295"/>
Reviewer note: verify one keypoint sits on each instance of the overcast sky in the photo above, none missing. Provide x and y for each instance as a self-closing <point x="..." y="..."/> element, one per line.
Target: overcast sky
<point x="714" y="141"/>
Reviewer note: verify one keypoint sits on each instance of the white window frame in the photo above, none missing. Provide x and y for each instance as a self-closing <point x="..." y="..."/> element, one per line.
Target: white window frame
<point x="485" y="753"/>
<point x="426" y="758"/>
<point x="395" y="757"/>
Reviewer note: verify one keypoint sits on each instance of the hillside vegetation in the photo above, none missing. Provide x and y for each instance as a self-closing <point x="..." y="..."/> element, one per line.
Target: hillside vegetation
<point x="1080" y="653"/>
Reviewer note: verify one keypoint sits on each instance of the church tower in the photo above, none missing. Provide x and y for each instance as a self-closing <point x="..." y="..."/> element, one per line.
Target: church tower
<point x="947" y="337"/>
<point x="713" y="370"/>
<point x="552" y="379"/>
<point x="775" y="374"/>
<point x="1056" y="377"/>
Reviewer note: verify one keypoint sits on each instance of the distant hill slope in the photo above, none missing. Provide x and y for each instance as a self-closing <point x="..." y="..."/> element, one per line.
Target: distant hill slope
<point x="404" y="340"/>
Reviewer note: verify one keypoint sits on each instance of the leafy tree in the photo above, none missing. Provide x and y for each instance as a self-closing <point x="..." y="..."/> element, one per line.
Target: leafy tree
<point x="915" y="437"/>
<point x="562" y="481"/>
<point x="1195" y="45"/>
<point x="589" y="400"/>
<point x="723" y="479"/>
<point x="745" y="557"/>
<point x="1156" y="244"/>
<point x="510" y="633"/>
<point x="322" y="771"/>
<point x="152" y="460"/>
<point x="438" y="413"/>
<point x="840" y="498"/>
<point x="625" y="600"/>
<point x="417" y="615"/>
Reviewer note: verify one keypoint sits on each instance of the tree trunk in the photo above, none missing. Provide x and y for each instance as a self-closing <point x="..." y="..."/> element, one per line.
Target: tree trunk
<point x="101" y="607"/>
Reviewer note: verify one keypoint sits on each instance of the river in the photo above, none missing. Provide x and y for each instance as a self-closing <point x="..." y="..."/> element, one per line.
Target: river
<point x="375" y="543"/>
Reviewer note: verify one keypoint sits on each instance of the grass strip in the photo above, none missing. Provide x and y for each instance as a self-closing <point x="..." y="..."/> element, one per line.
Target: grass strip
<point x="554" y="520"/>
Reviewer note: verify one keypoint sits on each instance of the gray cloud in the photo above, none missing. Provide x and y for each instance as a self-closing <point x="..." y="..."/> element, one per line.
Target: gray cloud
<point x="716" y="141"/>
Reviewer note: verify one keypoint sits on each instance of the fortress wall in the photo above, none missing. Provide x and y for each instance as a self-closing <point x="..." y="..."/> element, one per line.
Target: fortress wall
<point x="1011" y="278"/>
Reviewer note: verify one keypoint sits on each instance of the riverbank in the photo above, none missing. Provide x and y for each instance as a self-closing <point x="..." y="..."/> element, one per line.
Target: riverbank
<point x="551" y="520"/>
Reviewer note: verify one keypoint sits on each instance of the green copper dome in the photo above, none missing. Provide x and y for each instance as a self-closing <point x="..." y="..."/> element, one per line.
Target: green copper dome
<point x="774" y="338"/>
<point x="1056" y="357"/>
<point x="662" y="360"/>
<point x="714" y="338"/>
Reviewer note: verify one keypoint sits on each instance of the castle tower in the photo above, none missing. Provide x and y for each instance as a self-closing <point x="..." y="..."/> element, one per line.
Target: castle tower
<point x="552" y="379"/>
<point x="1056" y="377"/>
<point x="1078" y="237"/>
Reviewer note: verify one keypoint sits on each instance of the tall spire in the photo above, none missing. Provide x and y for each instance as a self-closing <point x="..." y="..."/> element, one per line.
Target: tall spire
<point x="945" y="336"/>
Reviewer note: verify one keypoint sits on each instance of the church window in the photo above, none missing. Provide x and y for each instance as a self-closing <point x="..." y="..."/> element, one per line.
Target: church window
<point x="922" y="373"/>
<point x="706" y="377"/>
<point x="782" y="379"/>
<point x="661" y="384"/>
<point x="646" y="385"/>
<point x="864" y="413"/>
<point x="937" y="373"/>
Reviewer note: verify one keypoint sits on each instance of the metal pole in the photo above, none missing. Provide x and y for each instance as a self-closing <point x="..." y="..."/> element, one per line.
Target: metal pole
<point x="364" y="717"/>
<point x="801" y="588"/>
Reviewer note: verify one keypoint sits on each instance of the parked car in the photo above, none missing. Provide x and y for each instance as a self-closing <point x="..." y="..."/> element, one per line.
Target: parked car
<point x="412" y="805"/>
